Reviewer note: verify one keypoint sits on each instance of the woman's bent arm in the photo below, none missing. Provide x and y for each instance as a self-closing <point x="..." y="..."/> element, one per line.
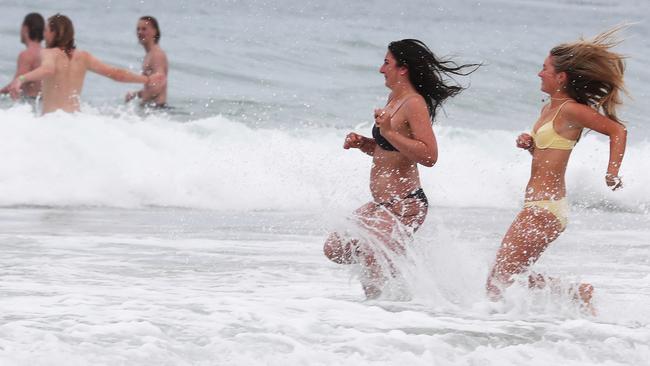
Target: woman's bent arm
<point x="589" y="118"/>
<point x="422" y="146"/>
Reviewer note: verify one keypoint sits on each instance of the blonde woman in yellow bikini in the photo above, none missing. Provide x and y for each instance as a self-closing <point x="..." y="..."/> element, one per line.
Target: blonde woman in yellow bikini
<point x="584" y="80"/>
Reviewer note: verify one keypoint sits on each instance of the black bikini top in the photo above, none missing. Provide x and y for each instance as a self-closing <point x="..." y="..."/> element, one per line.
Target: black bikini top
<point x="381" y="141"/>
<point x="376" y="134"/>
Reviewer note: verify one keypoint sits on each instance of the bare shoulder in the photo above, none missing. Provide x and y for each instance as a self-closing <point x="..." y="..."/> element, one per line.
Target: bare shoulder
<point x="415" y="104"/>
<point x="576" y="111"/>
<point x="49" y="52"/>
<point x="25" y="56"/>
<point x="416" y="112"/>
<point x="83" y="54"/>
<point x="582" y="116"/>
<point x="574" y="106"/>
<point x="77" y="56"/>
<point x="157" y="60"/>
<point x="159" y="54"/>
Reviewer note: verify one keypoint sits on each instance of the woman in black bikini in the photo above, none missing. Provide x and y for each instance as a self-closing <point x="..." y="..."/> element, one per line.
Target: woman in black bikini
<point x="402" y="138"/>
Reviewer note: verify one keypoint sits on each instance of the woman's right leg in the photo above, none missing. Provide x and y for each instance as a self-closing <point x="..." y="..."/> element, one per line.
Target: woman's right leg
<point x="527" y="238"/>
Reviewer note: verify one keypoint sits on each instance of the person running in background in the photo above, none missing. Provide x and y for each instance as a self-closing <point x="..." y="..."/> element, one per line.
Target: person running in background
<point x="63" y="69"/>
<point x="154" y="63"/>
<point x="31" y="35"/>
<point x="402" y="138"/>
<point x="582" y="79"/>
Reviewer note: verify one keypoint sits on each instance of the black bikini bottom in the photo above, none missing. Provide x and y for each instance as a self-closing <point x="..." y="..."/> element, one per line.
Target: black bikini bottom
<point x="418" y="194"/>
<point x="410" y="210"/>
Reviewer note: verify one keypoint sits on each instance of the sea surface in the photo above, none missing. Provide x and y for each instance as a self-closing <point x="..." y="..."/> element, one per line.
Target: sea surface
<point x="194" y="236"/>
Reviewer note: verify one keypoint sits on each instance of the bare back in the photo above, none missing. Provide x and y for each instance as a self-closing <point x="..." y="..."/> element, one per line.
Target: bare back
<point x="62" y="89"/>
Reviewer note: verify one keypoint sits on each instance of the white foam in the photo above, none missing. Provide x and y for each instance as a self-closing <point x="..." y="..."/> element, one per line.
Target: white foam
<point x="140" y="297"/>
<point x="125" y="161"/>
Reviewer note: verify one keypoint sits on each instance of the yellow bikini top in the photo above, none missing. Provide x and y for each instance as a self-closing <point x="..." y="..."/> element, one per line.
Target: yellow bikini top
<point x="547" y="138"/>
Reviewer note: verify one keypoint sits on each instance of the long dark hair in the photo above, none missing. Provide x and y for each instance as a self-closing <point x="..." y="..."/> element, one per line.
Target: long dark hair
<point x="63" y="30"/>
<point x="428" y="74"/>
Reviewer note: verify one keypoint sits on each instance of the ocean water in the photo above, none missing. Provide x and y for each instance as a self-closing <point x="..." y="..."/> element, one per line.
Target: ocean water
<point x="194" y="237"/>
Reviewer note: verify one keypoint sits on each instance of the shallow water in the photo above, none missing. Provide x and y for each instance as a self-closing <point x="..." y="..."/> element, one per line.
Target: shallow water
<point x="195" y="236"/>
<point x="174" y="286"/>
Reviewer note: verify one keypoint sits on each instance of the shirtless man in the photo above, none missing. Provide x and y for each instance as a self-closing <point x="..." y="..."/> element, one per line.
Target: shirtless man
<point x="31" y="35"/>
<point x="154" y="63"/>
<point x="63" y="69"/>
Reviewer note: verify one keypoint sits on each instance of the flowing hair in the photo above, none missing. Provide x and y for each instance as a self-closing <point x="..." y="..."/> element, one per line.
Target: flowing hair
<point x="594" y="72"/>
<point x="63" y="30"/>
<point x="429" y="75"/>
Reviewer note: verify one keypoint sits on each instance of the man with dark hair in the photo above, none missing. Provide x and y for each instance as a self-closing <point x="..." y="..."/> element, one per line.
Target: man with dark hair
<point x="154" y="63"/>
<point x="31" y="35"/>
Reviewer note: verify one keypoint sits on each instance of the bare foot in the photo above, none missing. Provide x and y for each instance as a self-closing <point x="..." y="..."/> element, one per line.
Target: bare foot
<point x="585" y="293"/>
<point x="372" y="291"/>
<point x="372" y="282"/>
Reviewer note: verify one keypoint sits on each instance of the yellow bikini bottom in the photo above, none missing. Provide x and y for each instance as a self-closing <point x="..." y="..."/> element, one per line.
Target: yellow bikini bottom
<point x="559" y="209"/>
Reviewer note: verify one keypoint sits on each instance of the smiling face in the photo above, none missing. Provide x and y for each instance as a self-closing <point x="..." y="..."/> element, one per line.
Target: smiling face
<point x="552" y="81"/>
<point x="146" y="32"/>
<point x="393" y="74"/>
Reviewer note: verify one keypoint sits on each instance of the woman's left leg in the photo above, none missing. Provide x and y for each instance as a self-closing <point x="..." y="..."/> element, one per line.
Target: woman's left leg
<point x="340" y="248"/>
<point x="529" y="235"/>
<point x="391" y="224"/>
<point x="384" y="223"/>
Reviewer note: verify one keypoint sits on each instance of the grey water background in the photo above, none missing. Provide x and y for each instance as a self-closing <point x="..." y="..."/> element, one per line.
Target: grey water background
<point x="289" y="64"/>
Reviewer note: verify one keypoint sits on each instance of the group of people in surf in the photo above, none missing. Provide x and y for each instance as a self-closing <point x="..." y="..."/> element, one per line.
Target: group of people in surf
<point x="56" y="73"/>
<point x="583" y="79"/>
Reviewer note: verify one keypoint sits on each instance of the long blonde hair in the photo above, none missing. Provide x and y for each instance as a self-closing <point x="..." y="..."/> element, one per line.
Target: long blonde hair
<point x="594" y="72"/>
